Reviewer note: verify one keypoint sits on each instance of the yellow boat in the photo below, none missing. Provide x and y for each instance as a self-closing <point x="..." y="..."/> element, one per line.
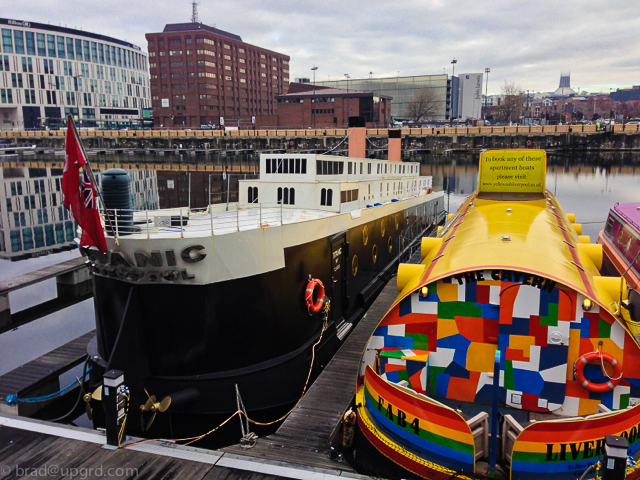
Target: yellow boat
<point x="510" y="276"/>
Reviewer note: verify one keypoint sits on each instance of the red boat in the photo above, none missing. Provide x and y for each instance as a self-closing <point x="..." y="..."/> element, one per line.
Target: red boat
<point x="620" y="241"/>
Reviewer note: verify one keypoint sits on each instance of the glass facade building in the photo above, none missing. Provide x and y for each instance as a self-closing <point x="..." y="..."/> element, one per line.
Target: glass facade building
<point x="404" y="90"/>
<point x="48" y="72"/>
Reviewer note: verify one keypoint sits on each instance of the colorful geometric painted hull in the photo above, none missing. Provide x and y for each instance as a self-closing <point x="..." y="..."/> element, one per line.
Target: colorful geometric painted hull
<point x="509" y="272"/>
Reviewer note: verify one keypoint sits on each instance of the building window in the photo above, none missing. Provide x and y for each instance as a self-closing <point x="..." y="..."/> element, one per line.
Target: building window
<point x="326" y="197"/>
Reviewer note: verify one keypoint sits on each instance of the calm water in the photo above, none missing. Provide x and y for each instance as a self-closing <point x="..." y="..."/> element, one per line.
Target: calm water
<point x="586" y="185"/>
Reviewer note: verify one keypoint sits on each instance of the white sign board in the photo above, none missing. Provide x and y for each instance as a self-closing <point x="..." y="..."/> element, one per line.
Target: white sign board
<point x="165" y="103"/>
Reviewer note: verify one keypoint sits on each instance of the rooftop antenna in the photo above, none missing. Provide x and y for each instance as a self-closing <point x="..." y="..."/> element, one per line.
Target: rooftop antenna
<point x="194" y="12"/>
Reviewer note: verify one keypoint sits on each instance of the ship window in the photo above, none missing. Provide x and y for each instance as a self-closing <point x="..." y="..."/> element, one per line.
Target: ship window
<point x="340" y="168"/>
<point x="354" y="265"/>
<point x="385" y="168"/>
<point x="607" y="230"/>
<point x="297" y="165"/>
<point x="323" y="196"/>
<point x="350" y="168"/>
<point x="292" y="168"/>
<point x="304" y="165"/>
<point x="390" y="243"/>
<point x="360" y="168"/>
<point x="319" y="167"/>
<point x="383" y="227"/>
<point x="369" y="168"/>
<point x="374" y="253"/>
<point x="329" y="197"/>
<point x="252" y="196"/>
<point x="329" y="168"/>
<point x="279" y="195"/>
<point x="268" y="162"/>
<point x="292" y="196"/>
<point x="274" y="165"/>
<point x="286" y="196"/>
<point x="285" y="166"/>
<point x="365" y="235"/>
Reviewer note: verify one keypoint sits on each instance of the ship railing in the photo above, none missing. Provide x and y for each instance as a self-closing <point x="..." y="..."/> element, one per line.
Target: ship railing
<point x="184" y="221"/>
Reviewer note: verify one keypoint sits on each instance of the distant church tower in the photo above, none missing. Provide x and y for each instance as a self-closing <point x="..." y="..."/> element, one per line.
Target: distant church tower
<point x="564" y="90"/>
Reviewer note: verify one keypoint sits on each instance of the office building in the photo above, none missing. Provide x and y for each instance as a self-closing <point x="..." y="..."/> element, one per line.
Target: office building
<point x="48" y="72"/>
<point x="201" y="75"/>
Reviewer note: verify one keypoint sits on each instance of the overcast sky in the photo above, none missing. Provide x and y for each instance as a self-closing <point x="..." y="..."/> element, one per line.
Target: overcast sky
<point x="525" y="43"/>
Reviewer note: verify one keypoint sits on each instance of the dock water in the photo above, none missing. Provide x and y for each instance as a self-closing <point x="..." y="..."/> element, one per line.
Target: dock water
<point x="299" y="449"/>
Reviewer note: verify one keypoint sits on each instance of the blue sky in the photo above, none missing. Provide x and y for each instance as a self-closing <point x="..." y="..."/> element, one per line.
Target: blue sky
<point x="527" y="43"/>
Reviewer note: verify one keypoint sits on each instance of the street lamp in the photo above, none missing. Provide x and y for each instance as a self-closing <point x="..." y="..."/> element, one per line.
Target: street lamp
<point x="347" y="77"/>
<point x="486" y="92"/>
<point x="453" y="66"/>
<point x="313" y="104"/>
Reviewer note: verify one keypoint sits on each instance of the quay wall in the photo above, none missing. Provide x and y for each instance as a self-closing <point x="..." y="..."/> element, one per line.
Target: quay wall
<point x="578" y="137"/>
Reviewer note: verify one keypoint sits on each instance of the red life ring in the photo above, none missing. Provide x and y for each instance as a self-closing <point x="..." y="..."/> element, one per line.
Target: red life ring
<point x="291" y="143"/>
<point x="430" y="190"/>
<point x="528" y="143"/>
<point x="597" y="387"/>
<point x="308" y="296"/>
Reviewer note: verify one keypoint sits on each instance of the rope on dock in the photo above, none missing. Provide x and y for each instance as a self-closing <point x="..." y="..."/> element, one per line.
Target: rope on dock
<point x="13" y="399"/>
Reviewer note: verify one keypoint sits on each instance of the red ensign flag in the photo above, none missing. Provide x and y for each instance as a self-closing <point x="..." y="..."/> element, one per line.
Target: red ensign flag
<point x="80" y="197"/>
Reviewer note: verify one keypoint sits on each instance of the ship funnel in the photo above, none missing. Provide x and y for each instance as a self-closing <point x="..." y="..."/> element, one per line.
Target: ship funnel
<point x="357" y="137"/>
<point x="395" y="146"/>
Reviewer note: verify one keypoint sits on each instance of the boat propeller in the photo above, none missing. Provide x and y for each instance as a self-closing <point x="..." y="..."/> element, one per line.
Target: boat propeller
<point x="87" y="397"/>
<point x="153" y="406"/>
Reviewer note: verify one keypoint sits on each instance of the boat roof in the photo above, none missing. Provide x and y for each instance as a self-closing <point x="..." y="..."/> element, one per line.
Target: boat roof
<point x="520" y="232"/>
<point x="630" y="213"/>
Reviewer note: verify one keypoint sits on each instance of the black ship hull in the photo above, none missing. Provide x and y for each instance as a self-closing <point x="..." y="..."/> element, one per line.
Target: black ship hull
<point x="253" y="335"/>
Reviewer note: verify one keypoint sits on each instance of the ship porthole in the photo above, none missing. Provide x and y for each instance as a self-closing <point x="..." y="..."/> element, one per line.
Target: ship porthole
<point x="390" y="244"/>
<point x="374" y="253"/>
<point x="397" y="222"/>
<point x="383" y="227"/>
<point x="365" y="235"/>
<point x="354" y="265"/>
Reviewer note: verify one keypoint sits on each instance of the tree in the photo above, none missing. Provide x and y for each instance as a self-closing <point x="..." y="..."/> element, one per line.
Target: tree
<point x="424" y="105"/>
<point x="510" y="108"/>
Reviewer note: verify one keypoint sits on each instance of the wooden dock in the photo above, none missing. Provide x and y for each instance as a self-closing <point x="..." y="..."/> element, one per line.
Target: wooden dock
<point x="40" y="376"/>
<point x="299" y="449"/>
<point x="73" y="285"/>
<point x="304" y="435"/>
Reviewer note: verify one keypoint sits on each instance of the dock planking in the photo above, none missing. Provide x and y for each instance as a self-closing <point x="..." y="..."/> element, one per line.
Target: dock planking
<point x="27" y="279"/>
<point x="32" y="375"/>
<point x="304" y="435"/>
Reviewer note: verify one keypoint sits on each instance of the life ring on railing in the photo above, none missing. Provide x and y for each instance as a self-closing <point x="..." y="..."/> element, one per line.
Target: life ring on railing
<point x="430" y="190"/>
<point x="291" y="143"/>
<point x="528" y="143"/>
<point x="603" y="357"/>
<point x="308" y="296"/>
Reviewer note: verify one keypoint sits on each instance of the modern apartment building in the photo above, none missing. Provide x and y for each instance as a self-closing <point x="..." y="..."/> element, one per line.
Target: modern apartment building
<point x="201" y="75"/>
<point x="33" y="221"/>
<point x="48" y="72"/>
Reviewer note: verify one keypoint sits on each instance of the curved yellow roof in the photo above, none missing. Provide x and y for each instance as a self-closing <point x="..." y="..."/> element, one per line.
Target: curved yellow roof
<point x="527" y="232"/>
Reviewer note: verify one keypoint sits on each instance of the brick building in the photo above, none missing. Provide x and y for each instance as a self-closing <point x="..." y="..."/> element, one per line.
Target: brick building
<point x="332" y="107"/>
<point x="200" y="74"/>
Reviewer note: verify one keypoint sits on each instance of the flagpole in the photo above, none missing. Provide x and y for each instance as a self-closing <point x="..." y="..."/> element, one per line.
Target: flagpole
<point x="94" y="185"/>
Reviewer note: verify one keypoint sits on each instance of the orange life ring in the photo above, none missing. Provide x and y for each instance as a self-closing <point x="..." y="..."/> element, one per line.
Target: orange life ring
<point x="597" y="387"/>
<point x="528" y="143"/>
<point x="308" y="296"/>
<point x="430" y="190"/>
<point x="291" y="143"/>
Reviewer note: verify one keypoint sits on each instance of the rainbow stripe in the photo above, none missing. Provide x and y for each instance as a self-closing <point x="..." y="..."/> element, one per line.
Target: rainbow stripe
<point x="432" y="432"/>
<point x="566" y="447"/>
